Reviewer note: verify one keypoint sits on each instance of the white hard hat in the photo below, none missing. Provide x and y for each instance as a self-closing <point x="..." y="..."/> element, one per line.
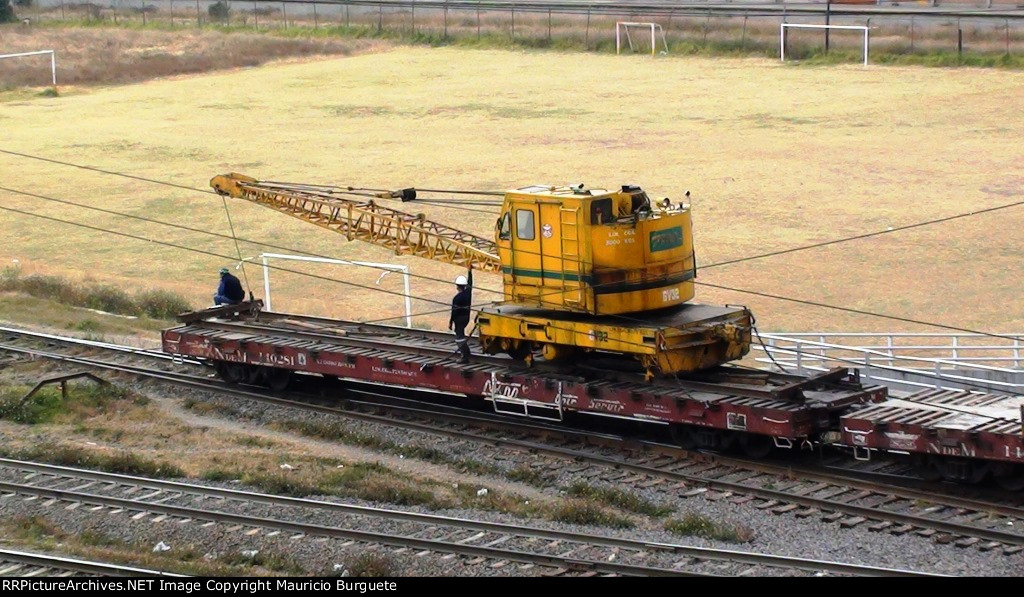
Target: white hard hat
<point x="461" y="281"/>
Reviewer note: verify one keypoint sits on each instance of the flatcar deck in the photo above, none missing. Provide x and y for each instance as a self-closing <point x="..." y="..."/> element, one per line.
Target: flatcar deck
<point x="727" y="398"/>
<point x="941" y="422"/>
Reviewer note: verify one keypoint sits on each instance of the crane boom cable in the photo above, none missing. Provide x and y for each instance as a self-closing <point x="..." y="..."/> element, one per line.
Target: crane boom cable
<point x="241" y="261"/>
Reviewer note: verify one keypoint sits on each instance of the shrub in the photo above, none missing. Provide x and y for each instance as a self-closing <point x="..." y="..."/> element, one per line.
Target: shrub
<point x="369" y="565"/>
<point x="159" y="304"/>
<point x="162" y="304"/>
<point x="23" y="3"/>
<point x="7" y="12"/>
<point x="220" y="10"/>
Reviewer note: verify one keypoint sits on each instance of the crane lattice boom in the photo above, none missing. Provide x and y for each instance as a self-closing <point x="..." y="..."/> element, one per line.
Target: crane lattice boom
<point x="365" y="220"/>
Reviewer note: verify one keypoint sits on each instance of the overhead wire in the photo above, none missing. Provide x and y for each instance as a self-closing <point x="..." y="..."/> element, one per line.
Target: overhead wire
<point x="210" y="232"/>
<point x="743" y="291"/>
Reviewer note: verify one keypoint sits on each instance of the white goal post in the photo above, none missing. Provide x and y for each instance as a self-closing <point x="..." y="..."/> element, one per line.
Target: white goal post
<point x="621" y="26"/>
<point x="388" y="267"/>
<point x="53" y="60"/>
<point x="784" y="26"/>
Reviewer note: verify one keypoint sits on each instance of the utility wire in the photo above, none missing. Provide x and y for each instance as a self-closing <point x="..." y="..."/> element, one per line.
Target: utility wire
<point x="743" y="291"/>
<point x="211" y="233"/>
<point x="866" y="235"/>
<point x="284" y="269"/>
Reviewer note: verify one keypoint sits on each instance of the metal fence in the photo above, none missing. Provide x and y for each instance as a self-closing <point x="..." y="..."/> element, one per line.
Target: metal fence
<point x="983" y="27"/>
<point x="964" y="361"/>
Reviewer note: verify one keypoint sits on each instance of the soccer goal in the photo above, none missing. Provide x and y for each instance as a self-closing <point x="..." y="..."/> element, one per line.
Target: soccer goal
<point x="784" y="26"/>
<point x="53" y="60"/>
<point x="623" y="26"/>
<point x="387" y="267"/>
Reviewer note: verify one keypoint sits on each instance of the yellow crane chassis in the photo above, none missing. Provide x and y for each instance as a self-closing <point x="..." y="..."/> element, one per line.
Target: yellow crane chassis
<point x="681" y="339"/>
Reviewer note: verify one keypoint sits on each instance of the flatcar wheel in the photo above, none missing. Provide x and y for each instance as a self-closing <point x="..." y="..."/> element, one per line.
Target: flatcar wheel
<point x="232" y="372"/>
<point x="756" y="446"/>
<point x="961" y="470"/>
<point x="278" y="379"/>
<point x="682" y="437"/>
<point x="1010" y="477"/>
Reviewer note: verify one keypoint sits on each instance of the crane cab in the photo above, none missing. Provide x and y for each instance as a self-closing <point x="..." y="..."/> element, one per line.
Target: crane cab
<point x="595" y="251"/>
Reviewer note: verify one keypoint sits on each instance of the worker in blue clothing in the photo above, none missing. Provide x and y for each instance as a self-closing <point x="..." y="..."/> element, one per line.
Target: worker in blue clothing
<point x="460" y="313"/>
<point x="230" y="290"/>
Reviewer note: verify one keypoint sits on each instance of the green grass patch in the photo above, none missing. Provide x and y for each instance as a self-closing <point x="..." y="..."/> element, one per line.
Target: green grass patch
<point x="586" y="512"/>
<point x="126" y="463"/>
<point x="618" y="498"/>
<point x="696" y="525"/>
<point x="84" y="400"/>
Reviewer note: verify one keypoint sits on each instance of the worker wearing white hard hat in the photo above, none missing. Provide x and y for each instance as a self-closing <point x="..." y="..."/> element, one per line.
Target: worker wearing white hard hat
<point x="460" y="313"/>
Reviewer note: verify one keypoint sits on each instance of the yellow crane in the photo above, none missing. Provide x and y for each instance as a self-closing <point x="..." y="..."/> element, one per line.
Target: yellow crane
<point x="584" y="270"/>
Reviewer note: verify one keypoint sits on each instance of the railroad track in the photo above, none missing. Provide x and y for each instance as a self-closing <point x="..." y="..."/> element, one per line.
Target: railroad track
<point x="778" y="489"/>
<point x="27" y="565"/>
<point x="564" y="552"/>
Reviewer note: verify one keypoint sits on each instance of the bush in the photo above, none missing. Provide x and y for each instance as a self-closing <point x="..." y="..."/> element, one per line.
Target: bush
<point x="159" y="304"/>
<point x="220" y="10"/>
<point x="7" y="12"/>
<point x="162" y="304"/>
<point x="23" y="3"/>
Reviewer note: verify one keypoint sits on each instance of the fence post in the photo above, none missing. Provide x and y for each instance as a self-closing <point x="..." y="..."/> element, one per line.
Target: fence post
<point x="172" y="14"/>
<point x="414" y="17"/>
<point x="380" y="18"/>
<point x="586" y="38"/>
<point x="62" y="10"/>
<point x="256" y="16"/>
<point x="513" y="23"/>
<point x="284" y="11"/>
<point x="959" y="39"/>
<point x="446" y="19"/>
<point x="707" y="25"/>
<point x="549" y="25"/>
<point x="346" y="15"/>
<point x="199" y="16"/>
<point x="888" y="344"/>
<point x="1016" y="353"/>
<point x="799" y="357"/>
<point x="956" y="343"/>
<point x="1007" y="37"/>
<point x="316" y="20"/>
<point x="743" y="40"/>
<point x="828" y="21"/>
<point x="478" y="22"/>
<point x="911" y="34"/>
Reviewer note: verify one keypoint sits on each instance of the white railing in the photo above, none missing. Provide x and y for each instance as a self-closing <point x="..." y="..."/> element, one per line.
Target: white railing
<point x="916" y="360"/>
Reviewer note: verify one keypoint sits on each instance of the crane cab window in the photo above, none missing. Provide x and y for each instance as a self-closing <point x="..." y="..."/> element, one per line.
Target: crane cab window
<point x="524" y="225"/>
<point x="601" y="212"/>
<point x="505" y="227"/>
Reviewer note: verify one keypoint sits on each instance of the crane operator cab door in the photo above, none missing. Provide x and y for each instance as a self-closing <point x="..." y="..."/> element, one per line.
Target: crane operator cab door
<point x="538" y="243"/>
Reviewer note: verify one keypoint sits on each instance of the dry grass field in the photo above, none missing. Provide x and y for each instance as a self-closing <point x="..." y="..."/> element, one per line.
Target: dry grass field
<point x="774" y="156"/>
<point x="104" y="57"/>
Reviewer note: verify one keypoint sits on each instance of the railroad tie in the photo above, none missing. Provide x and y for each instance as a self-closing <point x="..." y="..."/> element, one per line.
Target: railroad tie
<point x="966" y="542"/>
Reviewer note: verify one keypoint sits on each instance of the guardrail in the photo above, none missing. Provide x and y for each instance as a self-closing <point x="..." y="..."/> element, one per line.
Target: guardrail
<point x="909" y="360"/>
